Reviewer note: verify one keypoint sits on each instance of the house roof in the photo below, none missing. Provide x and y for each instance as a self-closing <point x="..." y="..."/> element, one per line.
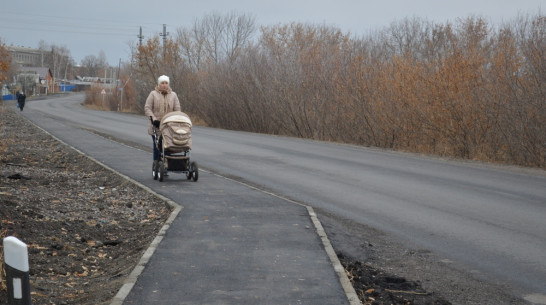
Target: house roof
<point x="43" y="72"/>
<point x="24" y="49"/>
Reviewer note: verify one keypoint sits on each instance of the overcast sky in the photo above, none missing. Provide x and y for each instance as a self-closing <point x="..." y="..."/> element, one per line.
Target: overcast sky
<point x="87" y="27"/>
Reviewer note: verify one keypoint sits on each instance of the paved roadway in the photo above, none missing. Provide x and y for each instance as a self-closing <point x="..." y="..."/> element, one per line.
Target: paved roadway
<point x="488" y="218"/>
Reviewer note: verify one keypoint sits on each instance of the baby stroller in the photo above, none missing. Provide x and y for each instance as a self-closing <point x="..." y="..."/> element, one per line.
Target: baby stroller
<point x="173" y="140"/>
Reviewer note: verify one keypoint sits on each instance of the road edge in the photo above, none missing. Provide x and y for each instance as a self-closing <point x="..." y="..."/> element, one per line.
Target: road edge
<point x="131" y="279"/>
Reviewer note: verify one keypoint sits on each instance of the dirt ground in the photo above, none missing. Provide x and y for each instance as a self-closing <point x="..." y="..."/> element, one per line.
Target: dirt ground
<point x="386" y="270"/>
<point x="85" y="226"/>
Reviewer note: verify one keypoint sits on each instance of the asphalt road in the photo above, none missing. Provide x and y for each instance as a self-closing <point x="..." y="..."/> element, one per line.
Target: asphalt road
<point x="487" y="218"/>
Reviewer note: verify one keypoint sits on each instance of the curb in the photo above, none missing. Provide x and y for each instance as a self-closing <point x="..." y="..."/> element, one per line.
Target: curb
<point x="338" y="268"/>
<point x="139" y="268"/>
<point x="130" y="281"/>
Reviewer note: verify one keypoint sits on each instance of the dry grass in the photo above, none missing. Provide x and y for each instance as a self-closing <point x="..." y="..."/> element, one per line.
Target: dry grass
<point x="7" y="138"/>
<point x="3" y="285"/>
<point x="95" y="100"/>
<point x="196" y="120"/>
<point x="96" y="107"/>
<point x="4" y="142"/>
<point x="3" y="232"/>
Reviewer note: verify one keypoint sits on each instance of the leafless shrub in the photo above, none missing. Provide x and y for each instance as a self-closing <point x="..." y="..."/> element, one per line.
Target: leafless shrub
<point x="465" y="89"/>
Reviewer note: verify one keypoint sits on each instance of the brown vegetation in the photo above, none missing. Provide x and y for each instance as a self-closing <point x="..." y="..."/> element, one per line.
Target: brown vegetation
<point x="114" y="98"/>
<point x="8" y="139"/>
<point x="5" y="64"/>
<point x="465" y="90"/>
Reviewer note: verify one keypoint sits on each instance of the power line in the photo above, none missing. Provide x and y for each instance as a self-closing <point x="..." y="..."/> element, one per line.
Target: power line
<point x="110" y="33"/>
<point x="101" y="30"/>
<point x="76" y="25"/>
<point x="53" y="23"/>
<point x="99" y="21"/>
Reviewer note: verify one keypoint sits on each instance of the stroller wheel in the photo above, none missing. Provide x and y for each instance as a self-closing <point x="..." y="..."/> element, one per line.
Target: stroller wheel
<point x="160" y="171"/>
<point x="154" y="170"/>
<point x="194" y="171"/>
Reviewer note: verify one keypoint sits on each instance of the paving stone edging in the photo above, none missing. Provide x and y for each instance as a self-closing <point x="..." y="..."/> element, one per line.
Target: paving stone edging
<point x="338" y="268"/>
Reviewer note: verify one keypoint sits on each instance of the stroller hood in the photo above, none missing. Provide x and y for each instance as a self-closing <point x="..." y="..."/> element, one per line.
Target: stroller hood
<point x="175" y="128"/>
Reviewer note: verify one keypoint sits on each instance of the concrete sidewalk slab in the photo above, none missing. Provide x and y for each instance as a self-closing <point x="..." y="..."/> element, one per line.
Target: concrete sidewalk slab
<point x="230" y="245"/>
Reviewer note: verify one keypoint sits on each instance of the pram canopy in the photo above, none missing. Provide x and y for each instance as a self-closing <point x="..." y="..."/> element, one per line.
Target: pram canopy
<point x="175" y="129"/>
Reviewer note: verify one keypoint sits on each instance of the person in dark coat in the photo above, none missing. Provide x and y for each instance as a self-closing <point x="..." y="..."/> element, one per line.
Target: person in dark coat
<point x="21" y="97"/>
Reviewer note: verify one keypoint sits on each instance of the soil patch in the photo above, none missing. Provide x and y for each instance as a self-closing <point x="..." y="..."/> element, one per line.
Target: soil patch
<point x="384" y="270"/>
<point x="86" y="227"/>
<point x="374" y="286"/>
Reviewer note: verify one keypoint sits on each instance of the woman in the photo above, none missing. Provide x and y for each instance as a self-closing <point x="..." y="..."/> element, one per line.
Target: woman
<point x="162" y="100"/>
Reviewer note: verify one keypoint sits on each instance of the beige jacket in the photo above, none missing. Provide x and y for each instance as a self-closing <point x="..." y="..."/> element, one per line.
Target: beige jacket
<point x="157" y="105"/>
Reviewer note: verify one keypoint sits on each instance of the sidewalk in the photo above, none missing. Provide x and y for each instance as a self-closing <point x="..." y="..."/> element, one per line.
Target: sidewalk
<point x="230" y="244"/>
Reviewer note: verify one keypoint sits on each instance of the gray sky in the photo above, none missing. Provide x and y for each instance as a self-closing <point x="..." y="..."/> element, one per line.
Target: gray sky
<point x="87" y="27"/>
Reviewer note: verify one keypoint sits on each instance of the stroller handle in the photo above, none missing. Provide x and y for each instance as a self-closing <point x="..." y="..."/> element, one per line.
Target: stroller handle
<point x="154" y="129"/>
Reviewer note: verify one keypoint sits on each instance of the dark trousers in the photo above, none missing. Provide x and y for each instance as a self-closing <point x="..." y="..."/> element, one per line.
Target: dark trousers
<point x="156" y="151"/>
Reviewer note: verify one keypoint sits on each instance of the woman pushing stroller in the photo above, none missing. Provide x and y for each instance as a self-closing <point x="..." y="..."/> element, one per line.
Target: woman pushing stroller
<point x="161" y="101"/>
<point x="171" y="133"/>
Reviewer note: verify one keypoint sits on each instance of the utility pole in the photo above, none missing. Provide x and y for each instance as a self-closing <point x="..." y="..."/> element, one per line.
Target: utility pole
<point x="119" y="84"/>
<point x="165" y="33"/>
<point x="140" y="37"/>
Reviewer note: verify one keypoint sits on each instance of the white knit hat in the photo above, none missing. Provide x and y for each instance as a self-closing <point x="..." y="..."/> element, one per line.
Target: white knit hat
<point x="162" y="78"/>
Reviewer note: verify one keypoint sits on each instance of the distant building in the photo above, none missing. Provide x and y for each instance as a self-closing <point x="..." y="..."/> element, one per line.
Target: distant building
<point x="6" y="94"/>
<point x="27" y="56"/>
<point x="36" y="80"/>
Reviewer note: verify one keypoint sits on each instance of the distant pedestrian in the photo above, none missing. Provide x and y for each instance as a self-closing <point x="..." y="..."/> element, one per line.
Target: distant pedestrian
<point x="21" y="97"/>
<point x="17" y="97"/>
<point x="161" y="101"/>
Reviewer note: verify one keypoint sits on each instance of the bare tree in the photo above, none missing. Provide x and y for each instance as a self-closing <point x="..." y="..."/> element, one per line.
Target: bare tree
<point x="90" y="65"/>
<point x="216" y="38"/>
<point x="192" y="46"/>
<point x="93" y="65"/>
<point x="239" y="29"/>
<point x="57" y="58"/>
<point x="463" y="89"/>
